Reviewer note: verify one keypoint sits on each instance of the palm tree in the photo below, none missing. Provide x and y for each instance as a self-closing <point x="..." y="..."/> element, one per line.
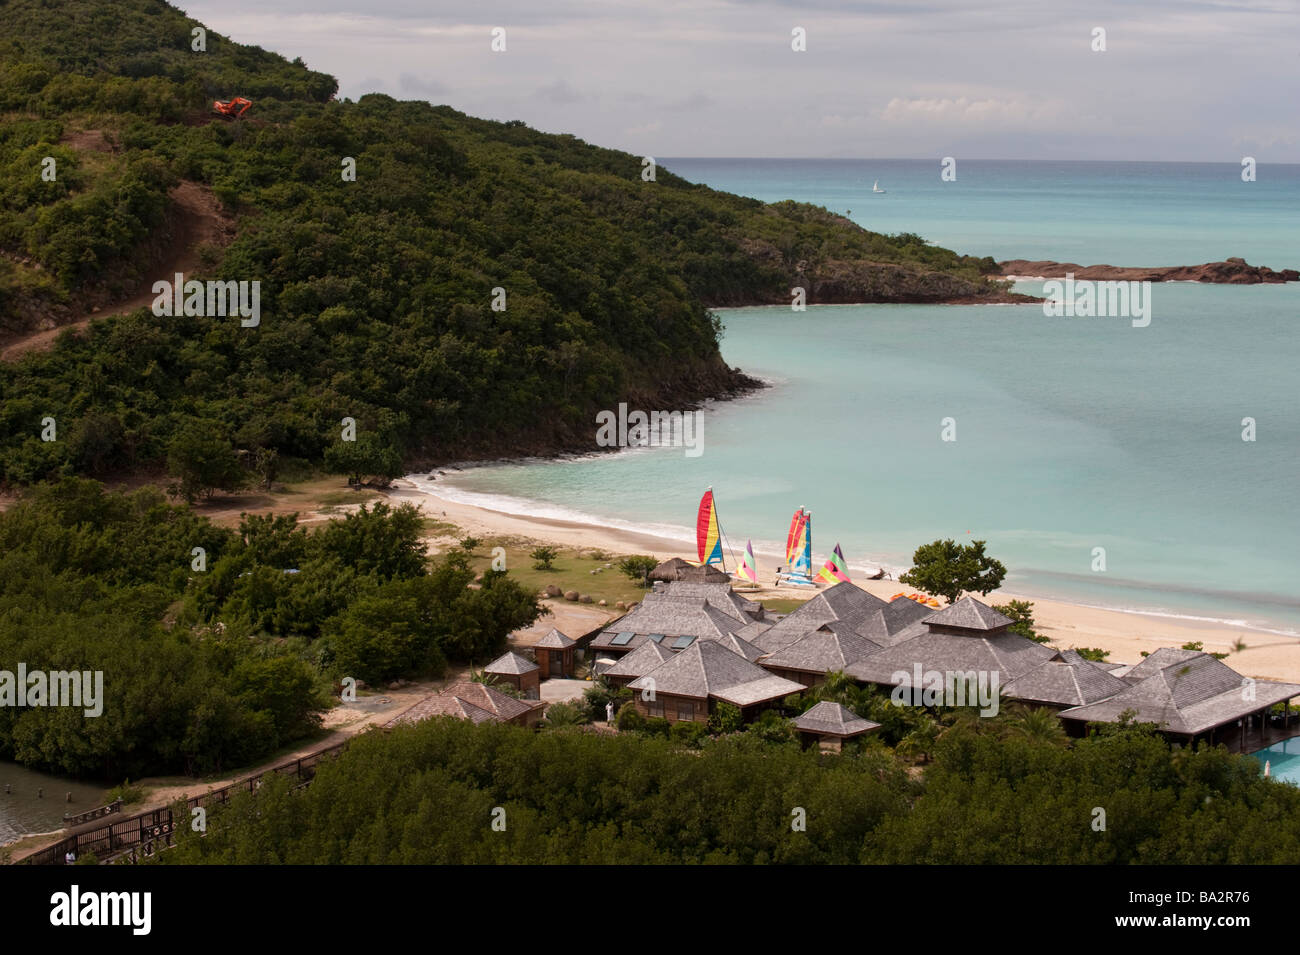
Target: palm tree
<point x="920" y="741"/>
<point x="840" y="688"/>
<point x="1037" y="725"/>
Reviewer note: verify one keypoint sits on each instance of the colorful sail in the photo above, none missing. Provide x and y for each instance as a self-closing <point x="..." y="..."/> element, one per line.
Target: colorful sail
<point x="795" y="522"/>
<point x="835" y="570"/>
<point x="803" y="556"/>
<point x="748" y="569"/>
<point x="707" y="537"/>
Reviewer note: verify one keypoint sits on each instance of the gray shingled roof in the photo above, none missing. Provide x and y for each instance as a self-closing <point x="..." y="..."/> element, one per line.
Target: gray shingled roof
<point x="902" y="612"/>
<point x="1188" y="694"/>
<point x="640" y="661"/>
<point x="753" y="631"/>
<point x="830" y="647"/>
<point x="843" y="601"/>
<point x="510" y="663"/>
<point x="718" y="595"/>
<point x="737" y="644"/>
<point x="832" y="719"/>
<point x="555" y="640"/>
<point x="1066" y="679"/>
<point x="969" y="614"/>
<point x="672" y="616"/>
<point x="471" y="701"/>
<point x="707" y="668"/>
<point x="1008" y="653"/>
<point x="1156" y="661"/>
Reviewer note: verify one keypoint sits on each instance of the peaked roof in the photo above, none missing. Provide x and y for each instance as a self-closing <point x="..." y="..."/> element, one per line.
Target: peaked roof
<point x="672" y="616"/>
<point x="830" y="647"/>
<point x="737" y="644"/>
<point x="510" y="663"/>
<point x="843" y="601"/>
<point x="719" y="595"/>
<point x="1187" y="694"/>
<point x="707" y="668"/>
<point x="555" y="640"/>
<point x="641" y="660"/>
<point x="705" y="572"/>
<point x="466" y="700"/>
<point x="669" y="569"/>
<point x="1066" y="678"/>
<point x="832" y="719"/>
<point x="1156" y="661"/>
<point x="1010" y="654"/>
<point x="969" y="614"/>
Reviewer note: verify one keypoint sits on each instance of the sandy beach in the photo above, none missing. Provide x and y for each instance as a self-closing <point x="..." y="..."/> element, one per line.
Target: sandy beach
<point x="1124" y="634"/>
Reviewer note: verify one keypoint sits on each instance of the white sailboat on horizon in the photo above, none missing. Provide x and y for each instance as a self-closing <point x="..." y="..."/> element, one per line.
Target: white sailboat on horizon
<point x="876" y="187"/>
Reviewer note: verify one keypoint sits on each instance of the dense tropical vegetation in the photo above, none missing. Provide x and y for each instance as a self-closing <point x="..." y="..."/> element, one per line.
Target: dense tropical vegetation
<point x="218" y="646"/>
<point x="430" y="794"/>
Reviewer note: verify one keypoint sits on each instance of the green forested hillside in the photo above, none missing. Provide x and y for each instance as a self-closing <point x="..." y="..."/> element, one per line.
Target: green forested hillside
<point x="376" y="294"/>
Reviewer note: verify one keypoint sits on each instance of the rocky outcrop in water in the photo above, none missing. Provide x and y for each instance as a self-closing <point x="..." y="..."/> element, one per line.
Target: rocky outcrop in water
<point x="1233" y="271"/>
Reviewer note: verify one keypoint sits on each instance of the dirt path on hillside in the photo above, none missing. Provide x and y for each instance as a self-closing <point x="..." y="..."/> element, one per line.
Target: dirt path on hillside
<point x="195" y="219"/>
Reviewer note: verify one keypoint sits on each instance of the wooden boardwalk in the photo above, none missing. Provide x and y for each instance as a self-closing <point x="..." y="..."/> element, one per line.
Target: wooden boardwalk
<point x="141" y="835"/>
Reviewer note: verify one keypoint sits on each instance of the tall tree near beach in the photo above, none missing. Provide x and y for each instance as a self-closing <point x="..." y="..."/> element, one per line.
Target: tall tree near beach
<point x="949" y="569"/>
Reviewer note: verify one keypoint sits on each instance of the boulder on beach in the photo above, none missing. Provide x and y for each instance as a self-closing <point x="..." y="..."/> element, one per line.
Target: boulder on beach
<point x="620" y="605"/>
<point x="585" y="599"/>
<point x="570" y="595"/>
<point x="553" y="590"/>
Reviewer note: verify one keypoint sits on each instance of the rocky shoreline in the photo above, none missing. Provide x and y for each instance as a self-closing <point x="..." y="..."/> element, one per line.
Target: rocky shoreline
<point x="1234" y="271"/>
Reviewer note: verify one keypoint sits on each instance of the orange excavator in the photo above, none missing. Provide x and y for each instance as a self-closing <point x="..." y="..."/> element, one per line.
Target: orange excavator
<point x="237" y="107"/>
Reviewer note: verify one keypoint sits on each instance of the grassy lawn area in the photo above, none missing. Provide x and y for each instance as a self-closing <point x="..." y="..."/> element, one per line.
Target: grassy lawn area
<point x="782" y="604"/>
<point x="572" y="570"/>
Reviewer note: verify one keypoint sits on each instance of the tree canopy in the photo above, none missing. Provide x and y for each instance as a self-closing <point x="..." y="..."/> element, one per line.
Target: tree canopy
<point x="949" y="569"/>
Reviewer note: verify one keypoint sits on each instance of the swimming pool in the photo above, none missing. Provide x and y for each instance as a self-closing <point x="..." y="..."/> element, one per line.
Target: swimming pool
<point x="1284" y="760"/>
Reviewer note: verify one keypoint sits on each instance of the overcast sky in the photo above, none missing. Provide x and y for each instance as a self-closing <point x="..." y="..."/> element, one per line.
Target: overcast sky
<point x="1186" y="80"/>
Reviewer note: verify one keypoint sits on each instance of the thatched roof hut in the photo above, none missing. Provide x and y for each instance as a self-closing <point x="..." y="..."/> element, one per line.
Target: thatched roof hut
<point x="670" y="569"/>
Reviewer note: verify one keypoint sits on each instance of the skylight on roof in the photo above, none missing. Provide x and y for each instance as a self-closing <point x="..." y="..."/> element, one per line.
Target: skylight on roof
<point x="622" y="640"/>
<point x="656" y="637"/>
<point x="681" y="643"/>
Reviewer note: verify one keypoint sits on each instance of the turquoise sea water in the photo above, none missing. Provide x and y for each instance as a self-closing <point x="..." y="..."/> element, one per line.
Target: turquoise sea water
<point x="1071" y="433"/>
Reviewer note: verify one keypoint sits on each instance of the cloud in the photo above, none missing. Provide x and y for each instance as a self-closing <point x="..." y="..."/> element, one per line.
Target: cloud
<point x="988" y="113"/>
<point x="646" y="129"/>
<point x="689" y="103"/>
<point x="410" y="83"/>
<point x="559" y="92"/>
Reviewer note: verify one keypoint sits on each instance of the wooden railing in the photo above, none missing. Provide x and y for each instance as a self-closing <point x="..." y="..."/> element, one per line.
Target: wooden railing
<point x="76" y="819"/>
<point x="139" y="836"/>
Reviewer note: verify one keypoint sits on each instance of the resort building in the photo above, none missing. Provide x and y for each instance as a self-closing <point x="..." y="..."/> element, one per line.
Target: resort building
<point x="1191" y="696"/>
<point x="554" y="654"/>
<point x="679" y="620"/>
<point x="843" y="601"/>
<point x="512" y="669"/>
<point x="829" y="724"/>
<point x="691" y="684"/>
<point x="966" y="637"/>
<point x="474" y="702"/>
<point x="1065" y="680"/>
<point x="832" y="646"/>
<point x="649" y="656"/>
<point x="696" y="644"/>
